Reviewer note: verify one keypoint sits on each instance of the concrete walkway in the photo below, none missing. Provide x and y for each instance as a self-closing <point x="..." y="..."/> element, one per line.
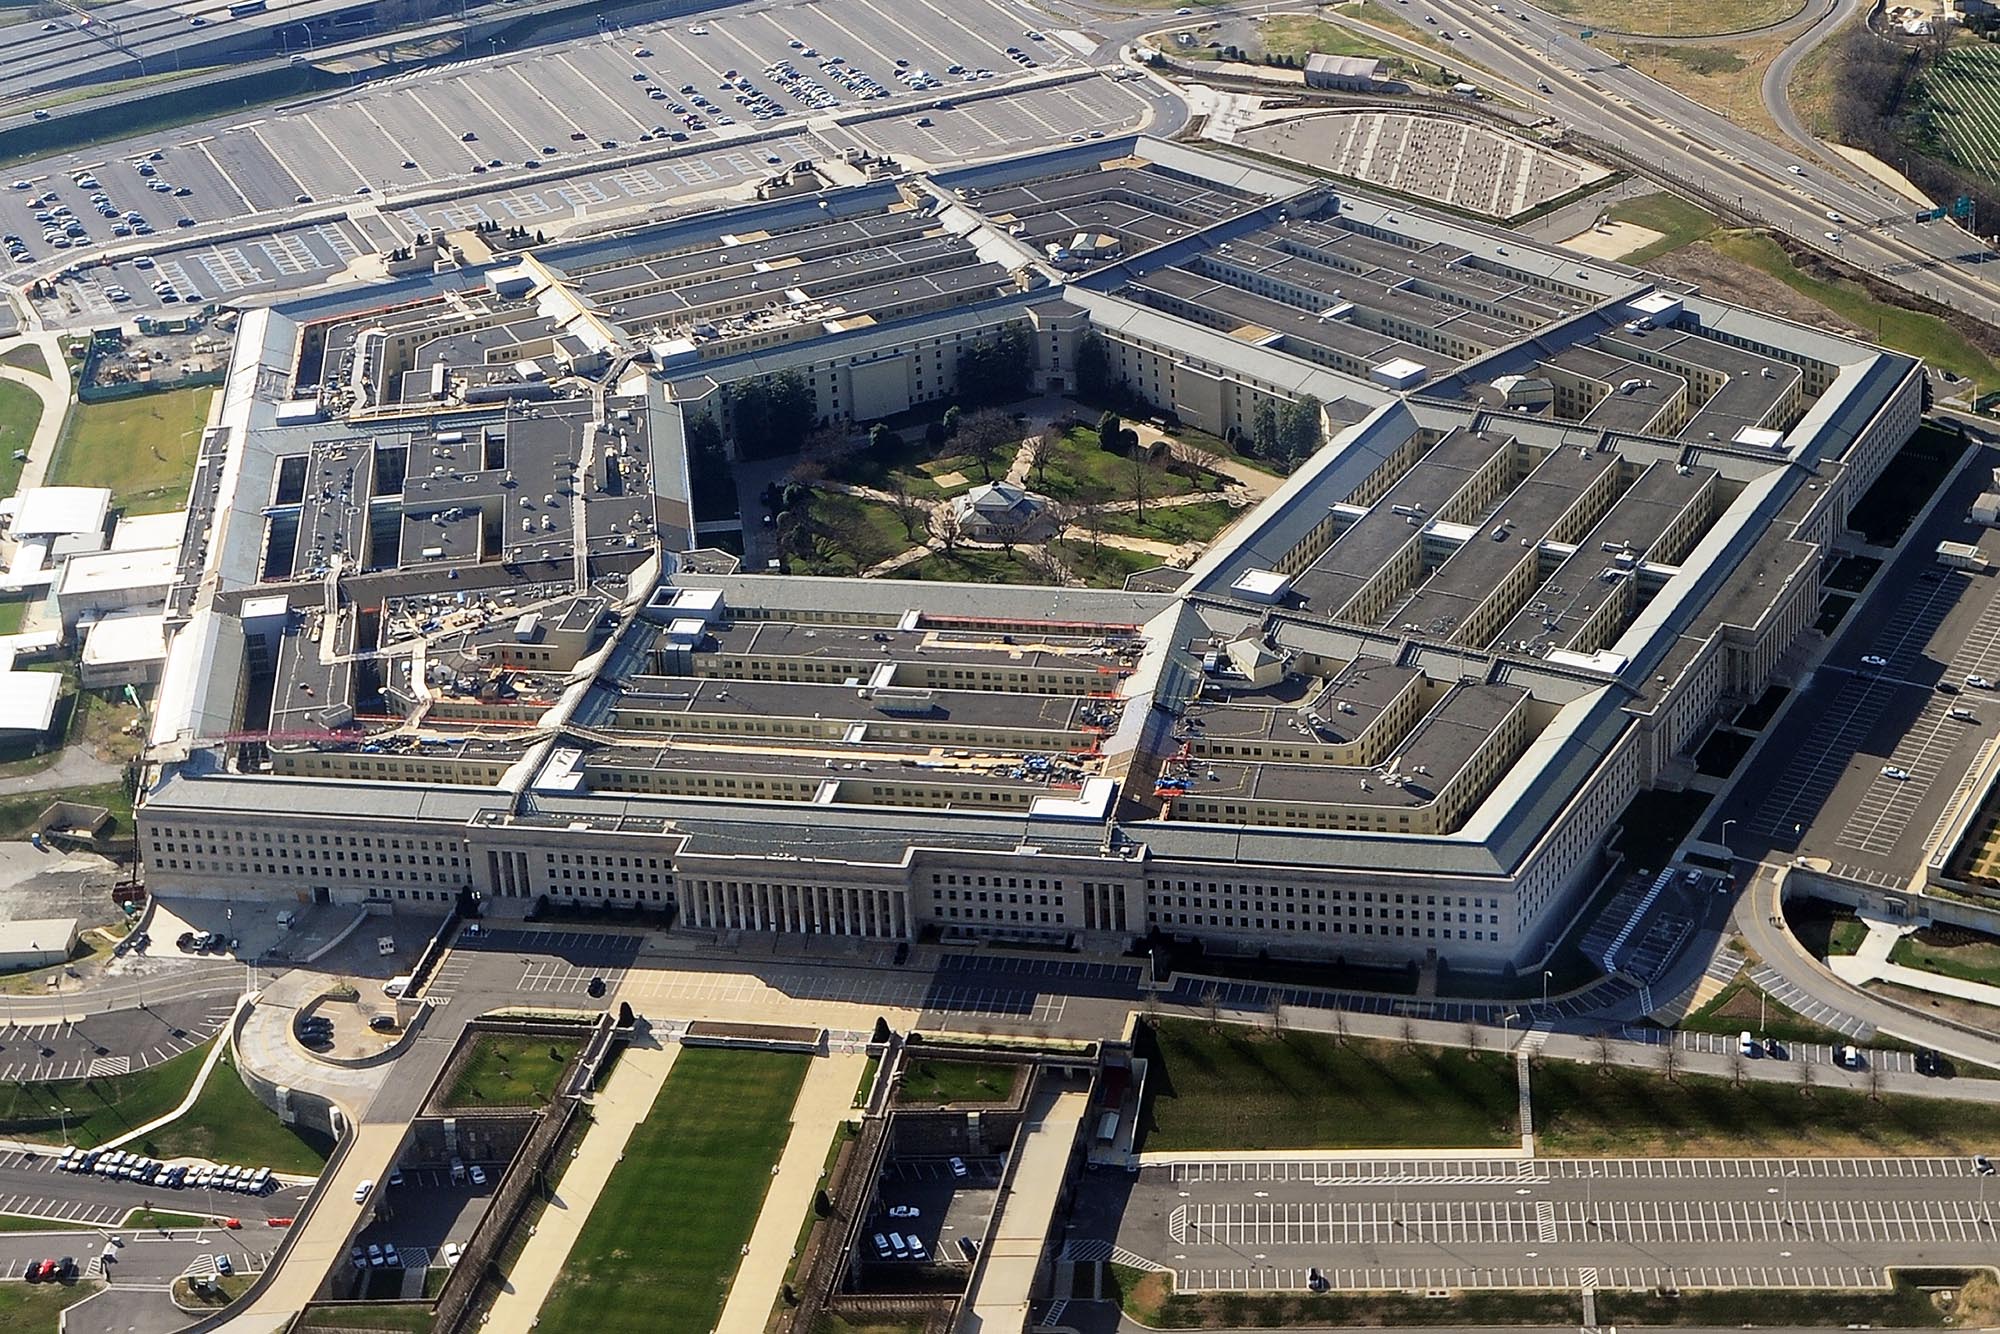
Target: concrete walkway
<point x="54" y="390"/>
<point x="215" y="1051"/>
<point x="825" y="1100"/>
<point x="1871" y="963"/>
<point x="627" y="1098"/>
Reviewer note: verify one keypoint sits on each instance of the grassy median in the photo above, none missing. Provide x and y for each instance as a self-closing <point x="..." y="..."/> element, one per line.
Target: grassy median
<point x="511" y="1070"/>
<point x="663" y="1242"/>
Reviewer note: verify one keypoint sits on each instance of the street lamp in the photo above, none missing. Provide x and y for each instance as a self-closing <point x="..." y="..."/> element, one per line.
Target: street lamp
<point x="1725" y="836"/>
<point x="1546" y="975"/>
<point x="62" y="1119"/>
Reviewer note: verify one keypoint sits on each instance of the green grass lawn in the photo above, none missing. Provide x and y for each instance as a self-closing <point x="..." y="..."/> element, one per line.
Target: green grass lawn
<point x="1909" y="331"/>
<point x="143" y="448"/>
<point x="389" y="1317"/>
<point x="1742" y="1005"/>
<point x="1078" y="471"/>
<point x="968" y="565"/>
<point x="1199" y="522"/>
<point x="13" y="612"/>
<point x="1677" y="18"/>
<point x="1826" y="929"/>
<point x="852" y="534"/>
<point x="1679" y="222"/>
<point x="662" y="1245"/>
<point x="1240" y="1088"/>
<point x="511" y="1070"/>
<point x="20" y="414"/>
<point x="227" y="1122"/>
<point x="1581" y="1110"/>
<point x="1950" y="952"/>
<point x="1101" y="566"/>
<point x="934" y="1081"/>
<point x="99" y="1109"/>
<point x="37" y="1308"/>
<point x="27" y="357"/>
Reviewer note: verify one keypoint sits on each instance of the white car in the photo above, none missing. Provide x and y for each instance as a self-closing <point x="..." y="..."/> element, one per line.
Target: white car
<point x="477" y="1173"/>
<point x="905" y="1211"/>
<point x="1833" y="215"/>
<point x="1901" y="775"/>
<point x="361" y="1191"/>
<point x="957" y="1166"/>
<point x="1832" y="236"/>
<point x="452" y="1251"/>
<point x="1873" y="660"/>
<point x="1978" y="682"/>
<point x="1796" y="169"/>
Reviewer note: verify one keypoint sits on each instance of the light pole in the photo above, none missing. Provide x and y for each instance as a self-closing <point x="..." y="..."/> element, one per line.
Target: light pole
<point x="1546" y="976"/>
<point x="62" y="1119"/>
<point x="1725" y="836"/>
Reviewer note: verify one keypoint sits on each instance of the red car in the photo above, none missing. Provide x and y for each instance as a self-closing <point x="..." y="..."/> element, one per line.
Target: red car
<point x="39" y="1270"/>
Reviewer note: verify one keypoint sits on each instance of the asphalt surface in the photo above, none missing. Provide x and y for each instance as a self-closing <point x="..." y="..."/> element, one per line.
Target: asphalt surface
<point x="1819" y="788"/>
<point x="31" y="1186"/>
<point x="1708" y="1223"/>
<point x="328" y="180"/>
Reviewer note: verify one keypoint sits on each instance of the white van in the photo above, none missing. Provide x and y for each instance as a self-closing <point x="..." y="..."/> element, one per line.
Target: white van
<point x="396" y="986"/>
<point x="1745" y="1044"/>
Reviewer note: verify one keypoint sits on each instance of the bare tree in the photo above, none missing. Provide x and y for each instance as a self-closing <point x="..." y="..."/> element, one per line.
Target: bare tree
<point x="947" y="527"/>
<point x="1339" y="1026"/>
<point x="1142" y="470"/>
<point x="907" y="508"/>
<point x="1736" y="1066"/>
<point x="1874" y="1072"/>
<point x="1803" y="1070"/>
<point x="1409" y="1035"/>
<point x="1670" y="1059"/>
<point x="1274" y="1010"/>
<point x="1041" y="448"/>
<point x="1471" y="1038"/>
<point x="1211" y="1005"/>
<point x="1090" y="516"/>
<point x="1601" y="1044"/>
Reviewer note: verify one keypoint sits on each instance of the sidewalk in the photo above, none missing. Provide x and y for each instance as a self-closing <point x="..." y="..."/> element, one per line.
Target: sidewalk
<point x="1871" y="963"/>
<point x="626" y="1099"/>
<point x="825" y="1100"/>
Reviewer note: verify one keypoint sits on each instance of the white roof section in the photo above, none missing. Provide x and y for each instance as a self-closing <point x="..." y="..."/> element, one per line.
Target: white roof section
<point x="47" y="511"/>
<point x="55" y="934"/>
<point x="198" y="689"/>
<point x="108" y="571"/>
<point x="142" y="532"/>
<point x="28" y="700"/>
<point x="118" y="640"/>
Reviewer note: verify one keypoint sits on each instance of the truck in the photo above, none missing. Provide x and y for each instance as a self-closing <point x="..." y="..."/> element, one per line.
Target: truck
<point x="1961" y="555"/>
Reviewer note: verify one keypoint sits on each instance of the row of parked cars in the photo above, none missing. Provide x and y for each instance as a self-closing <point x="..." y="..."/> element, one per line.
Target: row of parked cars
<point x="122" y="1166"/>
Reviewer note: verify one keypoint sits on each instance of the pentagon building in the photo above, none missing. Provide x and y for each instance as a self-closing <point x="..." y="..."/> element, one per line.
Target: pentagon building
<point x="443" y="622"/>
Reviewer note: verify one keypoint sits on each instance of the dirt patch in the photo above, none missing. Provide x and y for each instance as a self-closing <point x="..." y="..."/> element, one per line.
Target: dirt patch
<point x="1706" y="267"/>
<point x="1614" y="240"/>
<point x="1969" y="1013"/>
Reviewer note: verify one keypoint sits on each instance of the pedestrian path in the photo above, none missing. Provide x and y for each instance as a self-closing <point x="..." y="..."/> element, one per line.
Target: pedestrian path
<point x="1870" y="963"/>
<point x="627" y="1098"/>
<point x="825" y="1100"/>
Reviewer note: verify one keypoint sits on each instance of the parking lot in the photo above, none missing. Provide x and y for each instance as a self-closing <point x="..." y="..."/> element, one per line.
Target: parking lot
<point x="947" y="1207"/>
<point x="623" y="123"/>
<point x="421" y="1216"/>
<point x="1863" y="762"/>
<point x="1473" y="1222"/>
<point x="115" y="1043"/>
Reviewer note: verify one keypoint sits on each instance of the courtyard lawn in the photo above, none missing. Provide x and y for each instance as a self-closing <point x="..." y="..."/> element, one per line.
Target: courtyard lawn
<point x="932" y="1081"/>
<point x="852" y="534"/>
<point x="1233" y="1087"/>
<point x="228" y="1122"/>
<point x="511" y="1070"/>
<point x="973" y="565"/>
<point x="1079" y="472"/>
<point x="1102" y="566"/>
<point x="661" y="1247"/>
<point x="1199" y="522"/>
<point x="1968" y="956"/>
<point x="143" y="448"/>
<point x="20" y="414"/>
<point x="98" y="1109"/>
<point x="1581" y="1110"/>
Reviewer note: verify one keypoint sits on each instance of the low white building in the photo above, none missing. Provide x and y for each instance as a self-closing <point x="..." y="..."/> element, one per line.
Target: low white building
<point x="101" y="583"/>
<point x="36" y="942"/>
<point x="129" y="648"/>
<point x="61" y="511"/>
<point x="27" y="702"/>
